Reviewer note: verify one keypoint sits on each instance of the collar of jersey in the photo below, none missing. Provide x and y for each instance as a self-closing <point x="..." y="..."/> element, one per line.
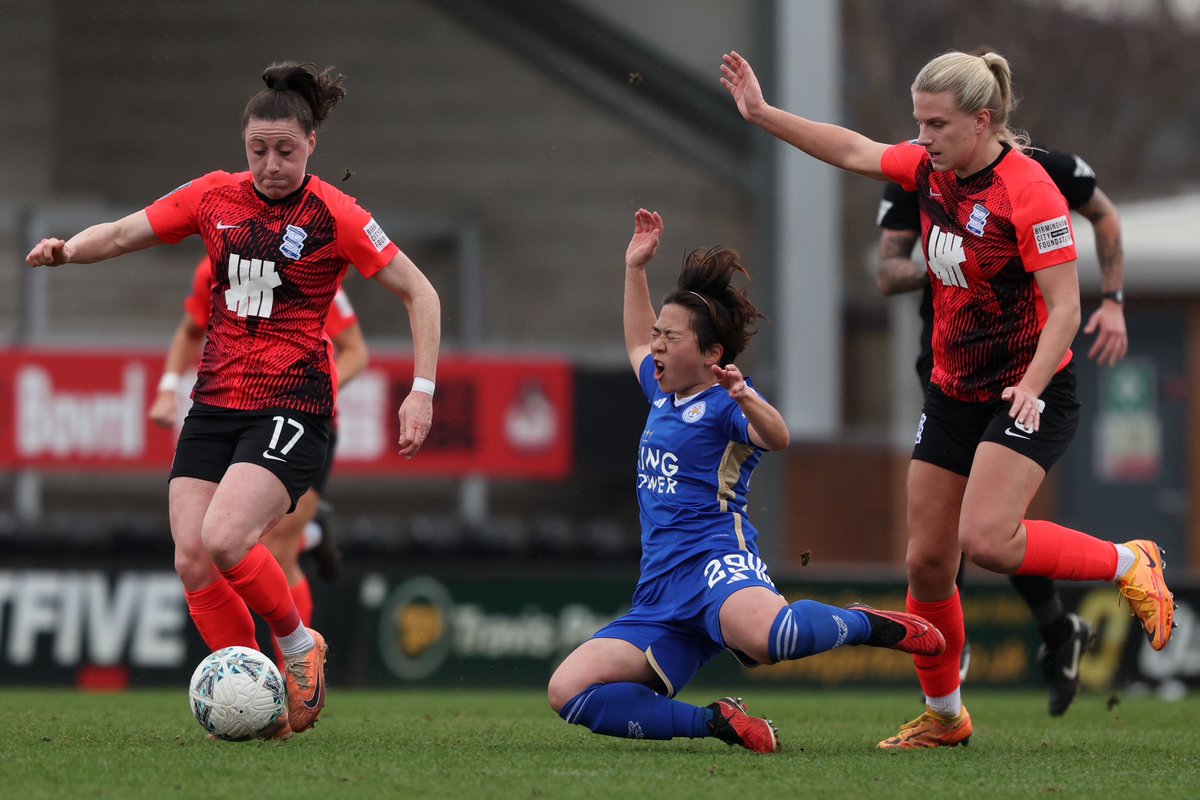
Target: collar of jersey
<point x="286" y="198"/>
<point x="678" y="401"/>
<point x="1005" y="148"/>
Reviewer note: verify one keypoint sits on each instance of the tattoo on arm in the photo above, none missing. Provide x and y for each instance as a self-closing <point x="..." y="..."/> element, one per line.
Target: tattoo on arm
<point x="1106" y="226"/>
<point x="896" y="272"/>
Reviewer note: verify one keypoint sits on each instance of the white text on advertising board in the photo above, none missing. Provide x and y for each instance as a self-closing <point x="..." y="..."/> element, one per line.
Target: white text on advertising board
<point x="96" y="423"/>
<point x="136" y="618"/>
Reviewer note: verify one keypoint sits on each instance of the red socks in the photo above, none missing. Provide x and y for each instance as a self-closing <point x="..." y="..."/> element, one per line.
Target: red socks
<point x="221" y="616"/>
<point x="260" y="581"/>
<point x="302" y="597"/>
<point x="939" y="674"/>
<point x="1053" y="551"/>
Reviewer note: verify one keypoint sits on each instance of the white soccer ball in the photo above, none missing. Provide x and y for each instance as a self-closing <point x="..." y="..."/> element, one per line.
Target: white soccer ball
<point x="237" y="694"/>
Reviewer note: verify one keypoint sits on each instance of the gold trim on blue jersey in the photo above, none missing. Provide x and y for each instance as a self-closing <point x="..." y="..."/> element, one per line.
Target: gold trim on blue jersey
<point x="728" y="475"/>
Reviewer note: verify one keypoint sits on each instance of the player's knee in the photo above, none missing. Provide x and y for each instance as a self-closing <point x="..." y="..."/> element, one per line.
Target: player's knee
<point x="224" y="544"/>
<point x="923" y="567"/>
<point x="194" y="568"/>
<point x="560" y="691"/>
<point x="991" y="546"/>
<point x="983" y="544"/>
<point x="759" y="650"/>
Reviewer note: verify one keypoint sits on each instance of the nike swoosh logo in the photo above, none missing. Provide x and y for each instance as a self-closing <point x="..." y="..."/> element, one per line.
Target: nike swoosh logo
<point x="315" y="701"/>
<point x="1073" y="673"/>
<point x="221" y="226"/>
<point x="1149" y="558"/>
<point x="267" y="454"/>
<point x="1011" y="432"/>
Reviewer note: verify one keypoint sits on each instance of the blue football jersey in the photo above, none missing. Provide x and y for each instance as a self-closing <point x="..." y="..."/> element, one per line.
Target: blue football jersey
<point x="693" y="473"/>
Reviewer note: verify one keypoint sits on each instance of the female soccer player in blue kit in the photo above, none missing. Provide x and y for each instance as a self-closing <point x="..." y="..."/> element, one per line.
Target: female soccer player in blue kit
<point x="703" y="586"/>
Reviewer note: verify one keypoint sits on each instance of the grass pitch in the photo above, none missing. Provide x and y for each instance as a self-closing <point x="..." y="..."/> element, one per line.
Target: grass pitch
<point x="508" y="744"/>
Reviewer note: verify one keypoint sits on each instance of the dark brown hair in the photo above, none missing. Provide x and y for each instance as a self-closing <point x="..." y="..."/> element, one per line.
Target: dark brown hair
<point x="296" y="91"/>
<point x="721" y="313"/>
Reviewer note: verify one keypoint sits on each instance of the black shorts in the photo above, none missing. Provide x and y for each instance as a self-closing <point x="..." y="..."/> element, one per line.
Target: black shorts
<point x="323" y="476"/>
<point x="291" y="444"/>
<point x="950" y="430"/>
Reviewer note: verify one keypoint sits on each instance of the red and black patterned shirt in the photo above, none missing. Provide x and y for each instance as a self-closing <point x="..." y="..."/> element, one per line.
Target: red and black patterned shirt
<point x="984" y="236"/>
<point x="277" y="265"/>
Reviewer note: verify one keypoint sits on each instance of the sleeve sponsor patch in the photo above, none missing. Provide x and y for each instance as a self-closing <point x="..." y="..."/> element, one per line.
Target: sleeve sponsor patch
<point x="1053" y="234"/>
<point x="375" y="233"/>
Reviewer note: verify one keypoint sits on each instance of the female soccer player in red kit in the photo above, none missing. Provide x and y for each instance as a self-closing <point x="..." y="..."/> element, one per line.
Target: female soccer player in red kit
<point x="257" y="433"/>
<point x="1001" y="406"/>
<point x="286" y="539"/>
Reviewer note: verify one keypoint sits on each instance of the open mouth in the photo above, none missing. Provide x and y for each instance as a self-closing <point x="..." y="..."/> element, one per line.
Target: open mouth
<point x="658" y="370"/>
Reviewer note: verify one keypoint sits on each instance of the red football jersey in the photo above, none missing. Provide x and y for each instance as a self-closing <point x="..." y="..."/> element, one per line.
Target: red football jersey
<point x="983" y="238"/>
<point x="277" y="265"/>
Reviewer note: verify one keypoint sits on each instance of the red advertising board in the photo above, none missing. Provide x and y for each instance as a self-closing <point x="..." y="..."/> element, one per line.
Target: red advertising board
<point x="494" y="416"/>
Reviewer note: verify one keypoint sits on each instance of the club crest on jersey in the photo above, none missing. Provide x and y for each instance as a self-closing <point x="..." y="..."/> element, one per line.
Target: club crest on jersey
<point x="694" y="412"/>
<point x="979" y="217"/>
<point x="293" y="242"/>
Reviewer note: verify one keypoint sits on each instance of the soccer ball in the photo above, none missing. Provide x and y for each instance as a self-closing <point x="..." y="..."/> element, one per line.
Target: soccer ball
<point x="237" y="694"/>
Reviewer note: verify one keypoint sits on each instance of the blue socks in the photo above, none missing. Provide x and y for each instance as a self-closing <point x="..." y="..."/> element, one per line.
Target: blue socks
<point x="807" y="627"/>
<point x="633" y="711"/>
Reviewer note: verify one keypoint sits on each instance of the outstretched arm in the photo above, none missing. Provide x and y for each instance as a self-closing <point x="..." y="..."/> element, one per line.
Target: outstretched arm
<point x="638" y="313"/>
<point x="767" y="430"/>
<point x="1108" y="321"/>
<point x="97" y="243"/>
<point x="403" y="279"/>
<point x="832" y="144"/>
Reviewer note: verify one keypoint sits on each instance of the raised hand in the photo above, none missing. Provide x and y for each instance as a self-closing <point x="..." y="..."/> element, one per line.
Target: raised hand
<point x="742" y="83"/>
<point x="731" y="379"/>
<point x="647" y="234"/>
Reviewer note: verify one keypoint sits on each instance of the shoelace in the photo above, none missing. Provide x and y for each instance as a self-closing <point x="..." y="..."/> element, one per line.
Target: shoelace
<point x="296" y="668"/>
<point x="930" y="716"/>
<point x="1138" y="598"/>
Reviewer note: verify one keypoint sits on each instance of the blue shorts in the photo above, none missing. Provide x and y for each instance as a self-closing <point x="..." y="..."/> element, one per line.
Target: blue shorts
<point x="676" y="620"/>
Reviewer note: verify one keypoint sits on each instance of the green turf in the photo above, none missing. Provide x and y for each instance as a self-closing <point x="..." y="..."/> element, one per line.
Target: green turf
<point x="485" y="744"/>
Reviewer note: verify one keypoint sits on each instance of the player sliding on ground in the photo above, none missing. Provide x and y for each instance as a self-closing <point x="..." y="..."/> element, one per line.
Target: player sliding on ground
<point x="703" y="587"/>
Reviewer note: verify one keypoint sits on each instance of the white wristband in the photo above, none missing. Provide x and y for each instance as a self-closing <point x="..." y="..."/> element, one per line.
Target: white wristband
<point x="169" y="382"/>
<point x="423" y="385"/>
